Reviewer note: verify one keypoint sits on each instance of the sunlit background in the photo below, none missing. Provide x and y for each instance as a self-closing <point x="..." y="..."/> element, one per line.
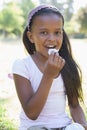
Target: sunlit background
<point x="13" y="19"/>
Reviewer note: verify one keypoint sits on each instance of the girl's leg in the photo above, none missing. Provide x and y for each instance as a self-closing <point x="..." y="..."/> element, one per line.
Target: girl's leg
<point x="38" y="128"/>
<point x="74" y="126"/>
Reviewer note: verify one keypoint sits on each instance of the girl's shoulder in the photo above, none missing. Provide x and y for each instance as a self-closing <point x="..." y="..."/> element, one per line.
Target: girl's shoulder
<point x="22" y="61"/>
<point x="22" y="66"/>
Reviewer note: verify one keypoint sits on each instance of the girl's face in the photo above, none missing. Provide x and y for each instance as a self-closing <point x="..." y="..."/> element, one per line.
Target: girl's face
<point x="47" y="32"/>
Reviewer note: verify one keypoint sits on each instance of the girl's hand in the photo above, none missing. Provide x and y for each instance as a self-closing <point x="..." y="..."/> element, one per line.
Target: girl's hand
<point x="54" y="65"/>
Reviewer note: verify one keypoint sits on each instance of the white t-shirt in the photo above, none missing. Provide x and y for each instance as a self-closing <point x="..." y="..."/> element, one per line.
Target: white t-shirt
<point x="53" y="114"/>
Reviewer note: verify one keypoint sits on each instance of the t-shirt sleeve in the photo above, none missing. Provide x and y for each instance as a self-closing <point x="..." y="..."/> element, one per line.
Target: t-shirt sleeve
<point x="19" y="67"/>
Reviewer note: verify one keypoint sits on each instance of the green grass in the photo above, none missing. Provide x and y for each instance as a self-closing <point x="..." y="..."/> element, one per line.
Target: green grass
<point x="5" y="122"/>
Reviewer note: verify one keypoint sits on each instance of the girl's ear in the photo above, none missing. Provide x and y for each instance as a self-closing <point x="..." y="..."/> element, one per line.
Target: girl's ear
<point x="29" y="35"/>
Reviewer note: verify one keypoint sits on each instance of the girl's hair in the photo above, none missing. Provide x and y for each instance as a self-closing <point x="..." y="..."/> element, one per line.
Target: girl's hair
<point x="71" y="72"/>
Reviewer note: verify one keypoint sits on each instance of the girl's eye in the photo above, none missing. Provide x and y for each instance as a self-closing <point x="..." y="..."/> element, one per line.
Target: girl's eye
<point x="59" y="33"/>
<point x="44" y="33"/>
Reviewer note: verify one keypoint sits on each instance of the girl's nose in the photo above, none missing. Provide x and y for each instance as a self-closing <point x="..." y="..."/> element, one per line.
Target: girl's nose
<point x="51" y="38"/>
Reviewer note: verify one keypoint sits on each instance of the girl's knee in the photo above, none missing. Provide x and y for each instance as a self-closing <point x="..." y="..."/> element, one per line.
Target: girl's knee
<point x="75" y="126"/>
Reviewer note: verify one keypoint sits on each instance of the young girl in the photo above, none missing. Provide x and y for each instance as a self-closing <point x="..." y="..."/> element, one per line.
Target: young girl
<point x="43" y="79"/>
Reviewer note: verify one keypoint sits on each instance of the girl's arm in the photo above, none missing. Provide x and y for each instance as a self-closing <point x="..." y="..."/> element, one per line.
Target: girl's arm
<point x="31" y="102"/>
<point x="78" y="115"/>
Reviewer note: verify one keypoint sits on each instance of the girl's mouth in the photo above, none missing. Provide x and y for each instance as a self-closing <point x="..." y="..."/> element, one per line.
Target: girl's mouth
<point x="51" y="46"/>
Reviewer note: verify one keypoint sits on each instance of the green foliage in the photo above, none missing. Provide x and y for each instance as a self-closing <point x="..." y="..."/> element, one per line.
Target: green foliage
<point x="11" y="18"/>
<point x="69" y="28"/>
<point x="43" y="1"/>
<point x="72" y="29"/>
<point x="82" y="19"/>
<point x="5" y="122"/>
<point x="14" y="17"/>
<point x="26" y="6"/>
<point x="68" y="10"/>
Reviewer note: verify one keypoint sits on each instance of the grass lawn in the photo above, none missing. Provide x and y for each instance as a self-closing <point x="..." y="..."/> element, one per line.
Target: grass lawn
<point x="9" y="103"/>
<point x="5" y="122"/>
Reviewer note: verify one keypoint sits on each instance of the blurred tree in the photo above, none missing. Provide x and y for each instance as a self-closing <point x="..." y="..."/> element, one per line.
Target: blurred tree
<point x="11" y="19"/>
<point x="56" y="3"/>
<point x="68" y="10"/>
<point x="82" y="19"/>
<point x="43" y="1"/>
<point x="65" y="6"/>
<point x="26" y="6"/>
